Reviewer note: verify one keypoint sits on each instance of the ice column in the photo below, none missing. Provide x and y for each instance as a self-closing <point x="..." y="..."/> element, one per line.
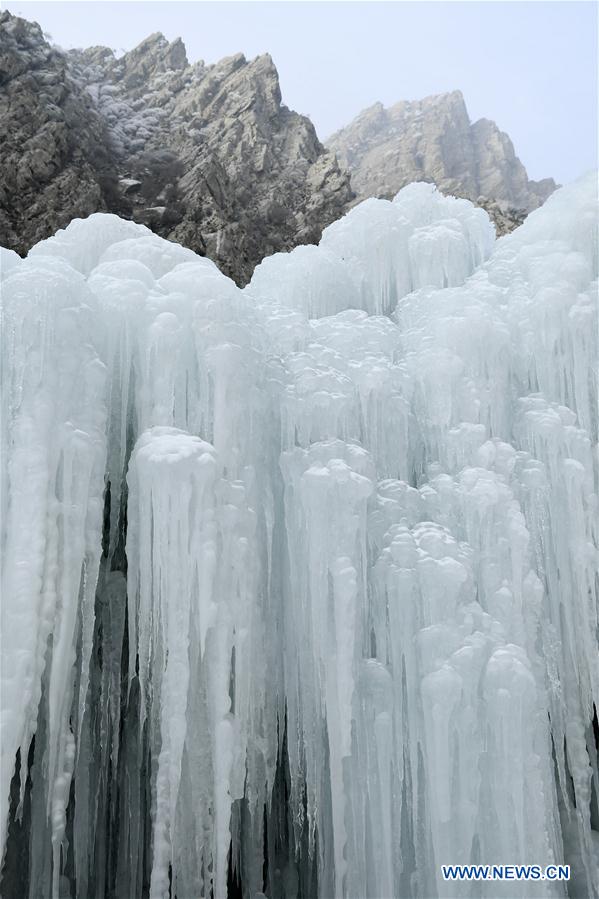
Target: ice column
<point x="54" y="420"/>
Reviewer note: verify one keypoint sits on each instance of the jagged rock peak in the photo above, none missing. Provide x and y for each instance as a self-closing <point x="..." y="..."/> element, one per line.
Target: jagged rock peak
<point x="152" y="56"/>
<point x="205" y="155"/>
<point x="433" y="139"/>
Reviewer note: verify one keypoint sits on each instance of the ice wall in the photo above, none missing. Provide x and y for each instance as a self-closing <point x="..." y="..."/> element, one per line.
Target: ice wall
<point x="299" y="582"/>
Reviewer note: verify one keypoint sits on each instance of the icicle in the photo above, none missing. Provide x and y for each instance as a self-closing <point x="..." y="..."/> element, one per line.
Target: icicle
<point x="300" y="581"/>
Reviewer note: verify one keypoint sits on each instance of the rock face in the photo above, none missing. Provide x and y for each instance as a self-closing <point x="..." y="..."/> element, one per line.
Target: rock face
<point x="434" y="140"/>
<point x="55" y="157"/>
<point x="207" y="156"/>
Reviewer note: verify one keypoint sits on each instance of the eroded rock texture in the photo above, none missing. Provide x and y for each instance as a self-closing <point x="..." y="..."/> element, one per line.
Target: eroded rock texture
<point x="56" y="161"/>
<point x="207" y="156"/>
<point x="434" y="140"/>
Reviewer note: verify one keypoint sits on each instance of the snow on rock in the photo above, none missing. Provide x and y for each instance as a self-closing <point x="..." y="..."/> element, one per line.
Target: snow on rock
<point x="299" y="581"/>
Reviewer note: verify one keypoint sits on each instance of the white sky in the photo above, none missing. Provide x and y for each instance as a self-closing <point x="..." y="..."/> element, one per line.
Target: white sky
<point x="530" y="66"/>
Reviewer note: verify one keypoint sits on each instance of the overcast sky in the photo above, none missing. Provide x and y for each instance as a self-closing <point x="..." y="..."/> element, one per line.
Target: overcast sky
<point x="530" y="66"/>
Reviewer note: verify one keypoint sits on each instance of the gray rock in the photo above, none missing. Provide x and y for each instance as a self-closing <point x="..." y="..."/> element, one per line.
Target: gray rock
<point x="55" y="157"/>
<point x="434" y="140"/>
<point x="207" y="156"/>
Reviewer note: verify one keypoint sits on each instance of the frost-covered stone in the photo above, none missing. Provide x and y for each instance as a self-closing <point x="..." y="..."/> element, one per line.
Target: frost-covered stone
<point x="205" y="155"/>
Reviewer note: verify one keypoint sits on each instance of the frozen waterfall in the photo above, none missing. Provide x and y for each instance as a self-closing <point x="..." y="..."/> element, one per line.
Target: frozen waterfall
<point x="300" y="581"/>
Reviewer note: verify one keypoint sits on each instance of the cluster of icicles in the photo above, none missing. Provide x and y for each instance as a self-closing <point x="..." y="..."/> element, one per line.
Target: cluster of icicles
<point x="299" y="587"/>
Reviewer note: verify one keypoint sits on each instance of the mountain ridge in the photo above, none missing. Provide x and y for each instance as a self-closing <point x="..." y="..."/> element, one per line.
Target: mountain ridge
<point x="209" y="156"/>
<point x="433" y="139"/>
<point x="205" y="155"/>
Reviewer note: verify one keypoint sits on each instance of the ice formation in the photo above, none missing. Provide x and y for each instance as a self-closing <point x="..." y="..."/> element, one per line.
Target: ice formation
<point x="299" y="590"/>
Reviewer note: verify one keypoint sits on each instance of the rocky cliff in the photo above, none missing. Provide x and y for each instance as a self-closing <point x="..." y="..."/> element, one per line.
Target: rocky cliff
<point x="434" y="140"/>
<point x="208" y="155"/>
<point x="56" y="162"/>
<point x="204" y="155"/>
